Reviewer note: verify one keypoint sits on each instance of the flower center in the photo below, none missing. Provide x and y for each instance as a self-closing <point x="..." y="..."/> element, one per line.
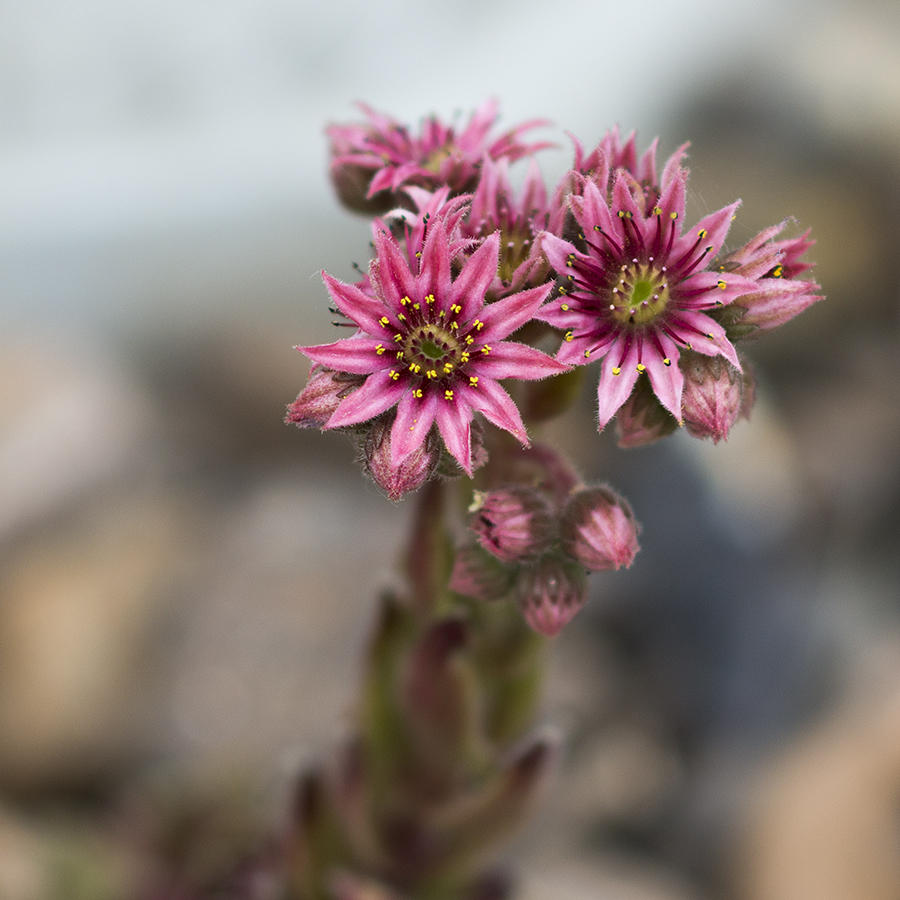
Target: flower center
<point x="639" y="295"/>
<point x="432" y="349"/>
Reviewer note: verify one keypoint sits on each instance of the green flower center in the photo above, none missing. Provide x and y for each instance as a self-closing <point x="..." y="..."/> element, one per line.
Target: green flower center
<point x="639" y="295"/>
<point x="432" y="351"/>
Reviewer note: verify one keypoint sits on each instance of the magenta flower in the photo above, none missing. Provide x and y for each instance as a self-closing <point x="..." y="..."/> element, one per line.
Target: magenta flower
<point x="639" y="291"/>
<point x="440" y="155"/>
<point x="430" y="347"/>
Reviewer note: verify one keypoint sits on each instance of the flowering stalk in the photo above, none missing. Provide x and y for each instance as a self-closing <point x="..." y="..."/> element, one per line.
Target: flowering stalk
<point x="451" y="324"/>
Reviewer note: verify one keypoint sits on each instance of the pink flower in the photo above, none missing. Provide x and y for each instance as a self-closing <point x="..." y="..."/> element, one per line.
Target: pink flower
<point x="638" y="291"/>
<point x="430" y="347"/>
<point x="599" y="530"/>
<point x="439" y="155"/>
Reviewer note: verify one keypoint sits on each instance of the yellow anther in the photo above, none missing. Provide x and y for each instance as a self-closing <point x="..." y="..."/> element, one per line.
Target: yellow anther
<point x="379" y="349"/>
<point x="429" y="298"/>
<point x="486" y="349"/>
<point x="464" y="357"/>
<point x="673" y="215"/>
<point x="478" y="324"/>
<point x="616" y="370"/>
<point x="469" y="339"/>
<point x="431" y="373"/>
<point x="398" y="338"/>
<point x="657" y="211"/>
<point x="641" y="367"/>
<point x="448" y="368"/>
<point x="401" y="317"/>
<point x="384" y="321"/>
<point x="394" y="374"/>
<point x="473" y="381"/>
<point x="415" y="368"/>
<point x="587" y="354"/>
<point x="722" y="284"/>
<point x="416" y="306"/>
<point x="777" y="271"/>
<point x="667" y="361"/>
<point x="400" y="354"/>
<point x="417" y="392"/>
<point x="404" y="301"/>
<point x="456" y="308"/>
<point x="701" y="233"/>
<point x="448" y="394"/>
<point x="569" y="335"/>
<point x="454" y="325"/>
<point x="564" y="307"/>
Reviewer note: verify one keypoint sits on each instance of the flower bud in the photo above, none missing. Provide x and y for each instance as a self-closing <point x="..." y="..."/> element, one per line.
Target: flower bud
<point x="713" y="397"/>
<point x="550" y="592"/>
<point x="513" y="524"/>
<point x="410" y="473"/>
<point x="642" y="419"/>
<point x="478" y="574"/>
<point x="321" y="397"/>
<point x="599" y="530"/>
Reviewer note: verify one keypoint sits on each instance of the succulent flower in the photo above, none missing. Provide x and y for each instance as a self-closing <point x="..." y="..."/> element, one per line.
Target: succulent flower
<point x="429" y="346"/>
<point x="382" y="156"/>
<point x="639" y="291"/>
<point x="599" y="530"/>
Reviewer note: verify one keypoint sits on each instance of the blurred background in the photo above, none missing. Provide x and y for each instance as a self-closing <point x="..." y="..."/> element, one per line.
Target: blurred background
<point x="181" y="614"/>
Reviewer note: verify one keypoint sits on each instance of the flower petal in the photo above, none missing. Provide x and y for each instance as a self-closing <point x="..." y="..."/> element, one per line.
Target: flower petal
<point x="454" y="420"/>
<point x="390" y="273"/>
<point x="667" y="379"/>
<point x="509" y="359"/>
<point x="434" y="266"/>
<point x="702" y="334"/>
<point x="378" y="393"/>
<point x="557" y="251"/>
<point x="497" y="406"/>
<point x="358" y="355"/>
<point x="475" y="278"/>
<point x="508" y="314"/>
<point x="617" y="377"/>
<point x="352" y="302"/>
<point x="414" y="418"/>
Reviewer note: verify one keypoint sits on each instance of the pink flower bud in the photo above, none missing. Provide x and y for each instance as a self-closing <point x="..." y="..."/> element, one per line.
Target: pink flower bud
<point x="514" y="524"/>
<point x="550" y="592"/>
<point x="478" y="574"/>
<point x="599" y="530"/>
<point x="642" y="419"/>
<point x="413" y="470"/>
<point x="713" y="397"/>
<point x="321" y="397"/>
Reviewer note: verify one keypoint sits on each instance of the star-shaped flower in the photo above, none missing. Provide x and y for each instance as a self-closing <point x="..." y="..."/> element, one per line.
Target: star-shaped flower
<point x="637" y="289"/>
<point x="430" y="347"/>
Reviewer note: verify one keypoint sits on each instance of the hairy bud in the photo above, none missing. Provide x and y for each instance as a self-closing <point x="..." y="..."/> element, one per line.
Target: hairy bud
<point x="410" y="473"/>
<point x="513" y="524"/>
<point x="599" y="530"/>
<point x="550" y="593"/>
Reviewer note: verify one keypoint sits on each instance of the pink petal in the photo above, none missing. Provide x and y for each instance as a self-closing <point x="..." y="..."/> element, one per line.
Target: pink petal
<point x="414" y="418"/>
<point x="715" y="225"/>
<point x="667" y="380"/>
<point x="454" y="420"/>
<point x="613" y="390"/>
<point x="595" y="213"/>
<point x="377" y="394"/>
<point x="702" y="334"/>
<point x="352" y="302"/>
<point x="497" y="406"/>
<point x="557" y="251"/>
<point x="390" y="272"/>
<point x="508" y="359"/>
<point x="434" y="266"/>
<point x="721" y="289"/>
<point x="357" y="355"/>
<point x="477" y="274"/>
<point x="505" y="316"/>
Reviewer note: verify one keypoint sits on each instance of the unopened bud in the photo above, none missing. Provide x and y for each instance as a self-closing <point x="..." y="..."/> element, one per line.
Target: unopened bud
<point x="550" y="593"/>
<point x="397" y="479"/>
<point x="599" y="530"/>
<point x="514" y="524"/>
<point x="713" y="397"/>
<point x="642" y="419"/>
<point x="321" y="397"/>
<point x="351" y="182"/>
<point x="478" y="574"/>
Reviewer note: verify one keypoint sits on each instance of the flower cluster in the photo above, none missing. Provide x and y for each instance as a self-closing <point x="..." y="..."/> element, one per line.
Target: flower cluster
<point x="472" y="282"/>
